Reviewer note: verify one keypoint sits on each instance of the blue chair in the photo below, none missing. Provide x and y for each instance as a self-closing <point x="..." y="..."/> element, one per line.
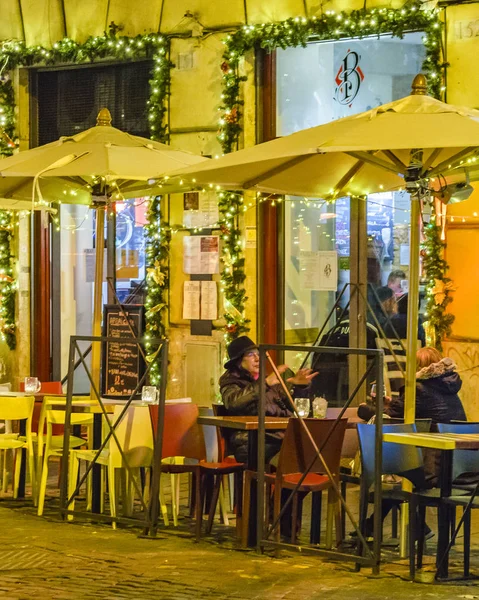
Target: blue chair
<point x="464" y="461"/>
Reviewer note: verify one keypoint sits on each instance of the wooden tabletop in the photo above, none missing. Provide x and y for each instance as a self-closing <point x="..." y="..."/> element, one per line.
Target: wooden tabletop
<point x="244" y="423"/>
<point x="439" y="441"/>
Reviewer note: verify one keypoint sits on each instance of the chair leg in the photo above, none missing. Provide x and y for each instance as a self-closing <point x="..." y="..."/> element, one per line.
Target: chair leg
<point x="222" y="500"/>
<point x="421" y="517"/>
<point x="238" y="501"/>
<point x="344" y="489"/>
<point x="199" y="502"/>
<point x="213" y="502"/>
<point x="18" y="466"/>
<point x="294" y="517"/>
<point x="164" y="508"/>
<point x="315" y="531"/>
<point x="43" y="487"/>
<point x="174" y="506"/>
<point x="467" y="542"/>
<point x="277" y="510"/>
<point x="246" y="509"/>
<point x="332" y="505"/>
<point x="412" y="538"/>
<point x="72" y="482"/>
<point x="112" y="492"/>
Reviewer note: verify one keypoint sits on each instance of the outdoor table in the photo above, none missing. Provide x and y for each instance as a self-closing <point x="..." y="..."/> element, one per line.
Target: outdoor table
<point x="446" y="442"/>
<point x="249" y="424"/>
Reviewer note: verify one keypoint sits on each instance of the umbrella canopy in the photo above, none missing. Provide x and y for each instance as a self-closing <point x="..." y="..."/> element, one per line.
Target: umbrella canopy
<point x="352" y="156"/>
<point x="68" y="169"/>
<point x="406" y="142"/>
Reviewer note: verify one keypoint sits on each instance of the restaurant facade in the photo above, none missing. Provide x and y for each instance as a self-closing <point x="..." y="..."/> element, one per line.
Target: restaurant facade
<point x="216" y="77"/>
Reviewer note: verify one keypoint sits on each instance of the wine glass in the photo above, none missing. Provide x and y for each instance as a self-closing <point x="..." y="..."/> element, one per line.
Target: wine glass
<point x="302" y="406"/>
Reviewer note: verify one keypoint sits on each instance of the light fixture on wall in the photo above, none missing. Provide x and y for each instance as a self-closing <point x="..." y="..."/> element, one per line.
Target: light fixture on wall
<point x="453" y="193"/>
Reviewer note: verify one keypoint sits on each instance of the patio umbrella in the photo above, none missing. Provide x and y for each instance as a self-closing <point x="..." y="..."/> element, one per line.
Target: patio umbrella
<point x="94" y="167"/>
<point x="401" y="144"/>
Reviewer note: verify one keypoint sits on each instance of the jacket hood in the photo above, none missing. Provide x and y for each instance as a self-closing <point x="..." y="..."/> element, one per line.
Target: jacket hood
<point x="446" y="365"/>
<point x="442" y="375"/>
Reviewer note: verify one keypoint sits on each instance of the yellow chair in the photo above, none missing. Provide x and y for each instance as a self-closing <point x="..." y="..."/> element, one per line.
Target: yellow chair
<point x="19" y="409"/>
<point x="54" y="443"/>
<point x="135" y="436"/>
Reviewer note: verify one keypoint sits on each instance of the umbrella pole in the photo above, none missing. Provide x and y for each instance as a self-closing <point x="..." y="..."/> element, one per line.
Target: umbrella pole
<point x="412" y="313"/>
<point x="97" y="300"/>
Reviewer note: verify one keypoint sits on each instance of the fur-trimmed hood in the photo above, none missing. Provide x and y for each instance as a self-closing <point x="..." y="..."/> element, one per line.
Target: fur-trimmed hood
<point x="444" y="366"/>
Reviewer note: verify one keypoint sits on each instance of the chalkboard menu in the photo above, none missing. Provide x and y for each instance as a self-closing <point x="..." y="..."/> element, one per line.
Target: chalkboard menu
<point x="122" y="364"/>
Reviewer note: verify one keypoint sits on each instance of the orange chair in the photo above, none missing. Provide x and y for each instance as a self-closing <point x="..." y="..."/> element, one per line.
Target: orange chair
<point x="296" y="454"/>
<point x="182" y="436"/>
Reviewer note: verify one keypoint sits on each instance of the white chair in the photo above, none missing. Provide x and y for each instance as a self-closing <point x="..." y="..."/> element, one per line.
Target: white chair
<point x="135" y="436"/>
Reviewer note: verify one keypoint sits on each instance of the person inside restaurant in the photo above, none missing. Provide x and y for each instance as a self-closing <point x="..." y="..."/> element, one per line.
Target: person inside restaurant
<point x="395" y="281"/>
<point x="398" y="323"/>
<point x="240" y="389"/>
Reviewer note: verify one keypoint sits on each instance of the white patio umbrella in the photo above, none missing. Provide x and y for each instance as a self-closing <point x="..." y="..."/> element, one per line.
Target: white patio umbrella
<point x="94" y="167"/>
<point x="404" y="143"/>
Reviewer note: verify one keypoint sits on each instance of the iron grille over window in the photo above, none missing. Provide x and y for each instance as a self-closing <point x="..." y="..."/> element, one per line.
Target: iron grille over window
<point x="69" y="100"/>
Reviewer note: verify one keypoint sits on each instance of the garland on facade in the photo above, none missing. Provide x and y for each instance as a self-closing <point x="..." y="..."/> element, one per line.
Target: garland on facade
<point x="15" y="54"/>
<point x="158" y="237"/>
<point x="439" y="287"/>
<point x="7" y="280"/>
<point x="329" y="26"/>
<point x="232" y="274"/>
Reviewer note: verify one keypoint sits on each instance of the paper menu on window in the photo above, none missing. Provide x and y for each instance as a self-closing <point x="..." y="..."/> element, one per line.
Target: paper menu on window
<point x="208" y="301"/>
<point x="200" y="300"/>
<point x="200" y="209"/>
<point x="318" y="270"/>
<point x="191" y="300"/>
<point x="201" y="255"/>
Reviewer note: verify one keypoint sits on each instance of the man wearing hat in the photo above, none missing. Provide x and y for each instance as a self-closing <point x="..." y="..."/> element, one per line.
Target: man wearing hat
<point x="240" y="389"/>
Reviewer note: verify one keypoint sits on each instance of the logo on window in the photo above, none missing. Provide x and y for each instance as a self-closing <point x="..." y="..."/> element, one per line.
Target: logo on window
<point x="348" y="78"/>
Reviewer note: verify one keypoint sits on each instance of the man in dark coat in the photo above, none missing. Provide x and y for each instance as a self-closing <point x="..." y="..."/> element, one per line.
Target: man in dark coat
<point x="240" y="390"/>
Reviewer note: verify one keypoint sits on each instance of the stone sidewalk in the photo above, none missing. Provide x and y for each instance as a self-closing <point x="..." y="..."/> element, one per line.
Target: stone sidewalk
<point x="45" y="558"/>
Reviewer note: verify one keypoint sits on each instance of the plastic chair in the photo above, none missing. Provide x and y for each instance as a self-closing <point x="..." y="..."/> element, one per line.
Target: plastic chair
<point x="19" y="409"/>
<point x="53" y="446"/>
<point x="296" y="454"/>
<point x="463" y="461"/>
<point x="135" y="437"/>
<point x="183" y="439"/>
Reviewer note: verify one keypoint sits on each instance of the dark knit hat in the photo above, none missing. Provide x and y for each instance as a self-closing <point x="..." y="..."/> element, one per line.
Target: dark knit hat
<point x="238" y="348"/>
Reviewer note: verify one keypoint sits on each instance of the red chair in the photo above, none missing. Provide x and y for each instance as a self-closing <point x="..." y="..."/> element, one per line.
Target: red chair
<point x="182" y="436"/>
<point x="296" y="454"/>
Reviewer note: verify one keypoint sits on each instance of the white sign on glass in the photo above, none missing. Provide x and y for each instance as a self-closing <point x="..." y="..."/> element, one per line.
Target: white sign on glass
<point x="318" y="270"/>
<point x="201" y="254"/>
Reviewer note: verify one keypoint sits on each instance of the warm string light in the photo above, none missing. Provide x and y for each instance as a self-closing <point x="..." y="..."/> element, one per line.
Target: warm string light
<point x="299" y="31"/>
<point x="8" y="280"/>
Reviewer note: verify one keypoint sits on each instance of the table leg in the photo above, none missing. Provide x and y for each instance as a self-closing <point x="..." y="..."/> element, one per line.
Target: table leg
<point x="253" y="465"/>
<point x="96" y="469"/>
<point x="444" y="516"/>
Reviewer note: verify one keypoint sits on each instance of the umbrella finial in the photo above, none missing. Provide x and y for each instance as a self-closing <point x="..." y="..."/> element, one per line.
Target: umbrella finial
<point x="419" y="86"/>
<point x="104" y="117"/>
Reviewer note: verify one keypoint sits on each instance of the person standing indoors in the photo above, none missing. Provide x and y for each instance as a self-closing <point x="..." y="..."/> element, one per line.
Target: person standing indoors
<point x="240" y="391"/>
<point x="395" y="278"/>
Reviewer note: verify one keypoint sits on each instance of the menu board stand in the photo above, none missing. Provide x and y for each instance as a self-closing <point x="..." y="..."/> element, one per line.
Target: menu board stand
<point x="123" y="364"/>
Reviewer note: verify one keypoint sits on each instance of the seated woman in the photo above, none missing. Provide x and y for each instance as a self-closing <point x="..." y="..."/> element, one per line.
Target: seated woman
<point x="240" y="390"/>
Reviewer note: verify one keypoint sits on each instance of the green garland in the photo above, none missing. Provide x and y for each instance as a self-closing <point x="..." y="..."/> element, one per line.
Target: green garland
<point x="7" y="281"/>
<point x="438" y="287"/>
<point x="232" y="274"/>
<point x="15" y="54"/>
<point x="158" y="237"/>
<point x="330" y="26"/>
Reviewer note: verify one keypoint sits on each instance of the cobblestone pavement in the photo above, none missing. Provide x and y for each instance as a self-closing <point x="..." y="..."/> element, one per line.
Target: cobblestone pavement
<point x="45" y="558"/>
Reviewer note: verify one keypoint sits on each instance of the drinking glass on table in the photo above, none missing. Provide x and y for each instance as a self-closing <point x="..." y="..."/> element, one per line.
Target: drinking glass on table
<point x="32" y="385"/>
<point x="302" y="406"/>
<point x="149" y="394"/>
